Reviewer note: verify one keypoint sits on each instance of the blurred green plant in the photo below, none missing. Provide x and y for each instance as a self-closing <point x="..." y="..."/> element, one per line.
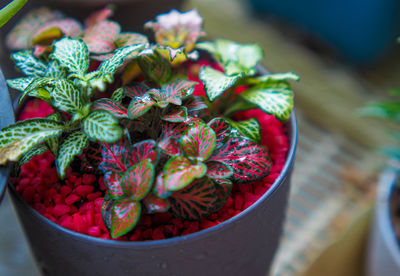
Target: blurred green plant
<point x="10" y="10"/>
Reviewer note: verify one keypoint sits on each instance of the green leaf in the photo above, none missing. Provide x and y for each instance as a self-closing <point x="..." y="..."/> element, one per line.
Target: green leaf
<point x="101" y="126"/>
<point x="28" y="64"/>
<point x="20" y="84"/>
<point x="276" y="77"/>
<point x="249" y="55"/>
<point x="107" y="69"/>
<point x="37" y="150"/>
<point x="180" y="172"/>
<point x="42" y="84"/>
<point x="194" y="202"/>
<point x="17" y="139"/>
<point x="138" y="180"/>
<point x="277" y="101"/>
<point x="216" y="82"/>
<point x="239" y="105"/>
<point x="249" y="128"/>
<point x="53" y="143"/>
<point x="7" y="12"/>
<point x="155" y="67"/>
<point x="198" y="142"/>
<point x="125" y="214"/>
<point x="118" y="95"/>
<point x="72" y="54"/>
<point x="384" y="110"/>
<point x="66" y="96"/>
<point x="71" y="147"/>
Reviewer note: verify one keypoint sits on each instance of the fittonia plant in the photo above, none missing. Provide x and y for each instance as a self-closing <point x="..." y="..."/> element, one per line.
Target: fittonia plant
<point x="159" y="147"/>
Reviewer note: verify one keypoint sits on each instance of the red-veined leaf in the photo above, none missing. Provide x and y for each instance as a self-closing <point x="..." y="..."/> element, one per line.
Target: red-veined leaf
<point x="139" y="106"/>
<point x="136" y="182"/>
<point x="198" y="141"/>
<point x="125" y="213"/>
<point x="221" y="128"/>
<point x="173" y="130"/>
<point x="112" y="180"/>
<point x="223" y="188"/>
<point x="159" y="97"/>
<point x="178" y="114"/>
<point x="177" y="90"/>
<point x="180" y="172"/>
<point x="114" y="108"/>
<point x="115" y="156"/>
<point x="136" y="90"/>
<point x="102" y="33"/>
<point x="218" y="170"/>
<point x="170" y="146"/>
<point x="195" y="201"/>
<point x="145" y="150"/>
<point x="250" y="162"/>
<point x="159" y="187"/>
<point x="194" y="104"/>
<point x="155" y="204"/>
<point x="106" y="210"/>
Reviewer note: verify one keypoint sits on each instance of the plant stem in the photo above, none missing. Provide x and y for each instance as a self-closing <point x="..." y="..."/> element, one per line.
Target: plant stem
<point x="10" y="10"/>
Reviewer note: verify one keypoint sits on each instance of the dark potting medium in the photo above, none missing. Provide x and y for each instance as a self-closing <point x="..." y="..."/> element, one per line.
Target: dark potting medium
<point x="6" y="118"/>
<point x="242" y="245"/>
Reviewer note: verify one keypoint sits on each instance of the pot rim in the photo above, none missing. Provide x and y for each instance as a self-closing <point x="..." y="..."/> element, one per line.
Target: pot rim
<point x="387" y="181"/>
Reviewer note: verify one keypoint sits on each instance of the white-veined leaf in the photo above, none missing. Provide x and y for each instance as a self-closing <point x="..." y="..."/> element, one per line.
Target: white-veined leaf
<point x="72" y="54"/>
<point x="20" y="137"/>
<point x="72" y="146"/>
<point x="101" y="126"/>
<point x="28" y="64"/>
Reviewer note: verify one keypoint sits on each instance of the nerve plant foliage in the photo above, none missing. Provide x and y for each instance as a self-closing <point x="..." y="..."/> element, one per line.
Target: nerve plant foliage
<point x="159" y="147"/>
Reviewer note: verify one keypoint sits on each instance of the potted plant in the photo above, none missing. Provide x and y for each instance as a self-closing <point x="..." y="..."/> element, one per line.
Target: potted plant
<point x="146" y="145"/>
<point x="384" y="245"/>
<point x="7" y="115"/>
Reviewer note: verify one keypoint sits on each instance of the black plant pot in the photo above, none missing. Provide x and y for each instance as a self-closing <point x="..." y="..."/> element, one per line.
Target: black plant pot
<point x="242" y="245"/>
<point x="6" y="118"/>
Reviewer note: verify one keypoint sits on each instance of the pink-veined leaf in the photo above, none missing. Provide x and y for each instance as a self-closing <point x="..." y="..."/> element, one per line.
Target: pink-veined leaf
<point x="112" y="180"/>
<point x="115" y="156"/>
<point x="105" y="210"/>
<point x="93" y="154"/>
<point x="218" y="170"/>
<point x="114" y="108"/>
<point x="198" y="142"/>
<point x="136" y="90"/>
<point x="223" y="188"/>
<point x="98" y="16"/>
<point x="194" y="104"/>
<point x="175" y="130"/>
<point x="221" y="128"/>
<point x="177" y="90"/>
<point x="155" y="204"/>
<point x="68" y="27"/>
<point x="170" y="146"/>
<point x="195" y="201"/>
<point x="159" y="97"/>
<point x="139" y="106"/>
<point x="125" y="214"/>
<point x="159" y="187"/>
<point x="145" y="150"/>
<point x="180" y="172"/>
<point x="102" y="33"/>
<point x="137" y="181"/>
<point x="176" y="115"/>
<point x="129" y="38"/>
<point x="250" y="162"/>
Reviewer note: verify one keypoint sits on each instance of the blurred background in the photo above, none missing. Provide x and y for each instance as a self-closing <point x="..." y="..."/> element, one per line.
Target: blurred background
<point x="346" y="53"/>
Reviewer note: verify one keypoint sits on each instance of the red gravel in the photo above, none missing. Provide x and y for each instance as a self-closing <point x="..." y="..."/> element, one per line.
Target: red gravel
<point x="75" y="204"/>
